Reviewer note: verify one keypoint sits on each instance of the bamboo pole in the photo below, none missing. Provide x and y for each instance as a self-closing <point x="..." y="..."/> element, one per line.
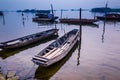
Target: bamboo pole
<point x="80" y="34"/>
<point x="80" y="28"/>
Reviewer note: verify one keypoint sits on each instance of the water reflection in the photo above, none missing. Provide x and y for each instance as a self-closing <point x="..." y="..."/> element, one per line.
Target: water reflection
<point x="43" y="73"/>
<point x="87" y="68"/>
<point x="103" y="31"/>
<point x="3" y="19"/>
<point x="79" y="47"/>
<point x="44" y="23"/>
<point x="6" y="53"/>
<point x="23" y="19"/>
<point x="62" y="29"/>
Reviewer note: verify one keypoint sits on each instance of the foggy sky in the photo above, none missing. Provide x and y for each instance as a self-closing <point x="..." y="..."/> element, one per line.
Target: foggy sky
<point x="57" y="4"/>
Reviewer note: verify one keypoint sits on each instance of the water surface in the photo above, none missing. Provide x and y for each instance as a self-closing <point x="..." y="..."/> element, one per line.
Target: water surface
<point x="98" y="58"/>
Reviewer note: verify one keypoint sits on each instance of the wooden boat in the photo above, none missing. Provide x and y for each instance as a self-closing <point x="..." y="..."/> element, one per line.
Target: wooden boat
<point x="112" y="16"/>
<point x="77" y="21"/>
<point x="26" y="40"/>
<point x="44" y="19"/>
<point x="101" y="10"/>
<point x="104" y="9"/>
<point x="57" y="50"/>
<point x="45" y="73"/>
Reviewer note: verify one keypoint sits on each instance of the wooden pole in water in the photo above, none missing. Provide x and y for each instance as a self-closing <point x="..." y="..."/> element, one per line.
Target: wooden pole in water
<point x="52" y="10"/>
<point x="80" y="28"/>
<point x="80" y="34"/>
<point x="61" y="13"/>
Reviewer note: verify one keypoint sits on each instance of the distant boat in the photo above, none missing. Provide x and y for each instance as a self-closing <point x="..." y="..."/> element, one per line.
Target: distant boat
<point x="57" y="50"/>
<point x="45" y="18"/>
<point x="1" y="13"/>
<point x="42" y="16"/>
<point x="110" y="16"/>
<point x="26" y="40"/>
<point x="104" y="9"/>
<point x="77" y="21"/>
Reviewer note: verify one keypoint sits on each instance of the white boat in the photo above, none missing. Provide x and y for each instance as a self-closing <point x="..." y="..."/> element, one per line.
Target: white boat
<point x="57" y="50"/>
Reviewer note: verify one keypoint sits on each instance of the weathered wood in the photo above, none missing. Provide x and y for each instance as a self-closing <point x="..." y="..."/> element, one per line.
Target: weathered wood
<point x="26" y="40"/>
<point x="60" y="49"/>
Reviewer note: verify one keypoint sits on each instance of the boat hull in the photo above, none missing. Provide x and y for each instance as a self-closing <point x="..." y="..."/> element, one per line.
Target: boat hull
<point x="108" y="18"/>
<point x="52" y="61"/>
<point x="27" y="42"/>
<point x="57" y="54"/>
<point x="77" y="21"/>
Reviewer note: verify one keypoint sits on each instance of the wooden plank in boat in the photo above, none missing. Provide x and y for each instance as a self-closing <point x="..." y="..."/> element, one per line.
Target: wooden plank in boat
<point x="54" y="53"/>
<point x="61" y="51"/>
<point x="14" y="42"/>
<point x="57" y="52"/>
<point x="41" y="58"/>
<point x="49" y="52"/>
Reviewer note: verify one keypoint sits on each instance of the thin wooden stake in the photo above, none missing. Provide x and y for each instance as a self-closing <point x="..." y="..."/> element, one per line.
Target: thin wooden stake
<point x="80" y="28"/>
<point x="61" y="13"/>
<point x="52" y="10"/>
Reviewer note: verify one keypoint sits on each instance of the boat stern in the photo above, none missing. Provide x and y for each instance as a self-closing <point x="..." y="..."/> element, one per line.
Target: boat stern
<point x="40" y="61"/>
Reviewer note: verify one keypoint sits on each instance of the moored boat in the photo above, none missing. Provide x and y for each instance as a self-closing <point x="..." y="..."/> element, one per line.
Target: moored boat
<point x="26" y="40"/>
<point x="44" y="19"/>
<point x="111" y="16"/>
<point x="45" y="16"/>
<point x="77" y="21"/>
<point x="57" y="50"/>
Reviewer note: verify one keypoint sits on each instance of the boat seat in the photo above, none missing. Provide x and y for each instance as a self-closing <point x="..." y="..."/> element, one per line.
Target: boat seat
<point x="47" y="54"/>
<point x="58" y="51"/>
<point x="51" y="47"/>
<point x="48" y="49"/>
<point x="13" y="42"/>
<point x="40" y="58"/>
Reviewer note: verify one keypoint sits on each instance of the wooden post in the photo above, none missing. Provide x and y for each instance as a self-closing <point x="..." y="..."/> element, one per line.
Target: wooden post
<point x="79" y="42"/>
<point x="61" y="13"/>
<point x="80" y="28"/>
<point x="52" y="10"/>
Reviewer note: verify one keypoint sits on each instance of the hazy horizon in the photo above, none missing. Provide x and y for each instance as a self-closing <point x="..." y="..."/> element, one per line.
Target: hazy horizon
<point x="57" y="4"/>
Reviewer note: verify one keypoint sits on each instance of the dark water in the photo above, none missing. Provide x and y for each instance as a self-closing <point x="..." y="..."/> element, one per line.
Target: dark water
<point x="98" y="58"/>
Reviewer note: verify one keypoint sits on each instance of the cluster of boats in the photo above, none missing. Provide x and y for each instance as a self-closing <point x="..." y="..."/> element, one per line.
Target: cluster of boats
<point x="52" y="53"/>
<point x="47" y="17"/>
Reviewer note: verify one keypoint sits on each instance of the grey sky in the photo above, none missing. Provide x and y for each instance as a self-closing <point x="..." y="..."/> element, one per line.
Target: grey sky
<point x="58" y="4"/>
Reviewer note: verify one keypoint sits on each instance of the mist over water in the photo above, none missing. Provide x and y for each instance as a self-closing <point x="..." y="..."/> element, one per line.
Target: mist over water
<point x="58" y="4"/>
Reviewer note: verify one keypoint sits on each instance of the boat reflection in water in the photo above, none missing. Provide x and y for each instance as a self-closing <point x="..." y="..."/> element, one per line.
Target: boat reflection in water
<point x="6" y="53"/>
<point x="2" y="17"/>
<point x="45" y="73"/>
<point x="45" y="23"/>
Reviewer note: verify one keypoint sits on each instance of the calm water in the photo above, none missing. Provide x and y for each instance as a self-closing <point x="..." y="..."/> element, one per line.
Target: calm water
<point x="98" y="58"/>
